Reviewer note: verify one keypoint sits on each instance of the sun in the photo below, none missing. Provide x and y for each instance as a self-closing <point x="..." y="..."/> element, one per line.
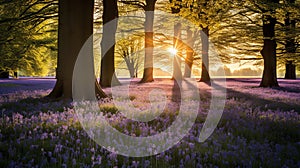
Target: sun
<point x="172" y="50"/>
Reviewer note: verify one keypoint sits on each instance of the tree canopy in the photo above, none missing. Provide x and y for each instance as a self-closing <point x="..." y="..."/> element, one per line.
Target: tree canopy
<point x="29" y="39"/>
<point x="29" y="36"/>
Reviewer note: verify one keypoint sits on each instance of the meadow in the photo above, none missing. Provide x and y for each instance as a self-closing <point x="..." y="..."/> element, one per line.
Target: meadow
<point x="260" y="127"/>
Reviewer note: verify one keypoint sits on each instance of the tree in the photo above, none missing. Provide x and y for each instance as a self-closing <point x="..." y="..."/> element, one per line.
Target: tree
<point x="148" y="63"/>
<point x="189" y="52"/>
<point x="201" y="8"/>
<point x="276" y="40"/>
<point x="75" y="27"/>
<point x="268" y="51"/>
<point x="177" y="45"/>
<point x="287" y="34"/>
<point x="128" y="49"/>
<point x="207" y="14"/>
<point x="28" y="40"/>
<point x="110" y="23"/>
<point x="267" y="9"/>
<point x="290" y="70"/>
<point x="177" y="74"/>
<point x="148" y="6"/>
<point x="245" y="30"/>
<point x="205" y="49"/>
<point x="290" y="43"/>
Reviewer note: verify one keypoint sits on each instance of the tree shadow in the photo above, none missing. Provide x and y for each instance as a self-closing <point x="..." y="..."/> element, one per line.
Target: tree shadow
<point x="265" y="104"/>
<point x="285" y="89"/>
<point x="244" y="80"/>
<point x="34" y="105"/>
<point x="280" y="88"/>
<point x="176" y="91"/>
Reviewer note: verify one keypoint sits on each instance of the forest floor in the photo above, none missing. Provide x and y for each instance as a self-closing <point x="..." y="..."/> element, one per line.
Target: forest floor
<point x="260" y="127"/>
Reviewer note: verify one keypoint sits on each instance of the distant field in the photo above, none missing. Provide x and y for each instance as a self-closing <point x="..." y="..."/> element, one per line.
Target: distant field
<point x="29" y="84"/>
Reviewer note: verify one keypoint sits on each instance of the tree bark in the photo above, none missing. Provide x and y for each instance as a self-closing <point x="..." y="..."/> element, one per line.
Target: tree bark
<point x="148" y="62"/>
<point x="290" y="45"/>
<point x="75" y="27"/>
<point x="130" y="66"/>
<point x="189" y="54"/>
<point x="205" y="60"/>
<point x="110" y="23"/>
<point x="290" y="70"/>
<point x="269" y="78"/>
<point x="177" y="74"/>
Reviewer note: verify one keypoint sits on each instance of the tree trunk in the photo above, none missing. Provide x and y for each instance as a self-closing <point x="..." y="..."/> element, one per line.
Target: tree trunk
<point x="205" y="61"/>
<point x="148" y="62"/>
<point x="290" y="70"/>
<point x="16" y="74"/>
<point x="189" y="54"/>
<point x="110" y="23"/>
<point x="130" y="66"/>
<point x="177" y="74"/>
<point x="75" y="27"/>
<point x="136" y="70"/>
<point x="4" y="74"/>
<point x="290" y="45"/>
<point x="269" y="78"/>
